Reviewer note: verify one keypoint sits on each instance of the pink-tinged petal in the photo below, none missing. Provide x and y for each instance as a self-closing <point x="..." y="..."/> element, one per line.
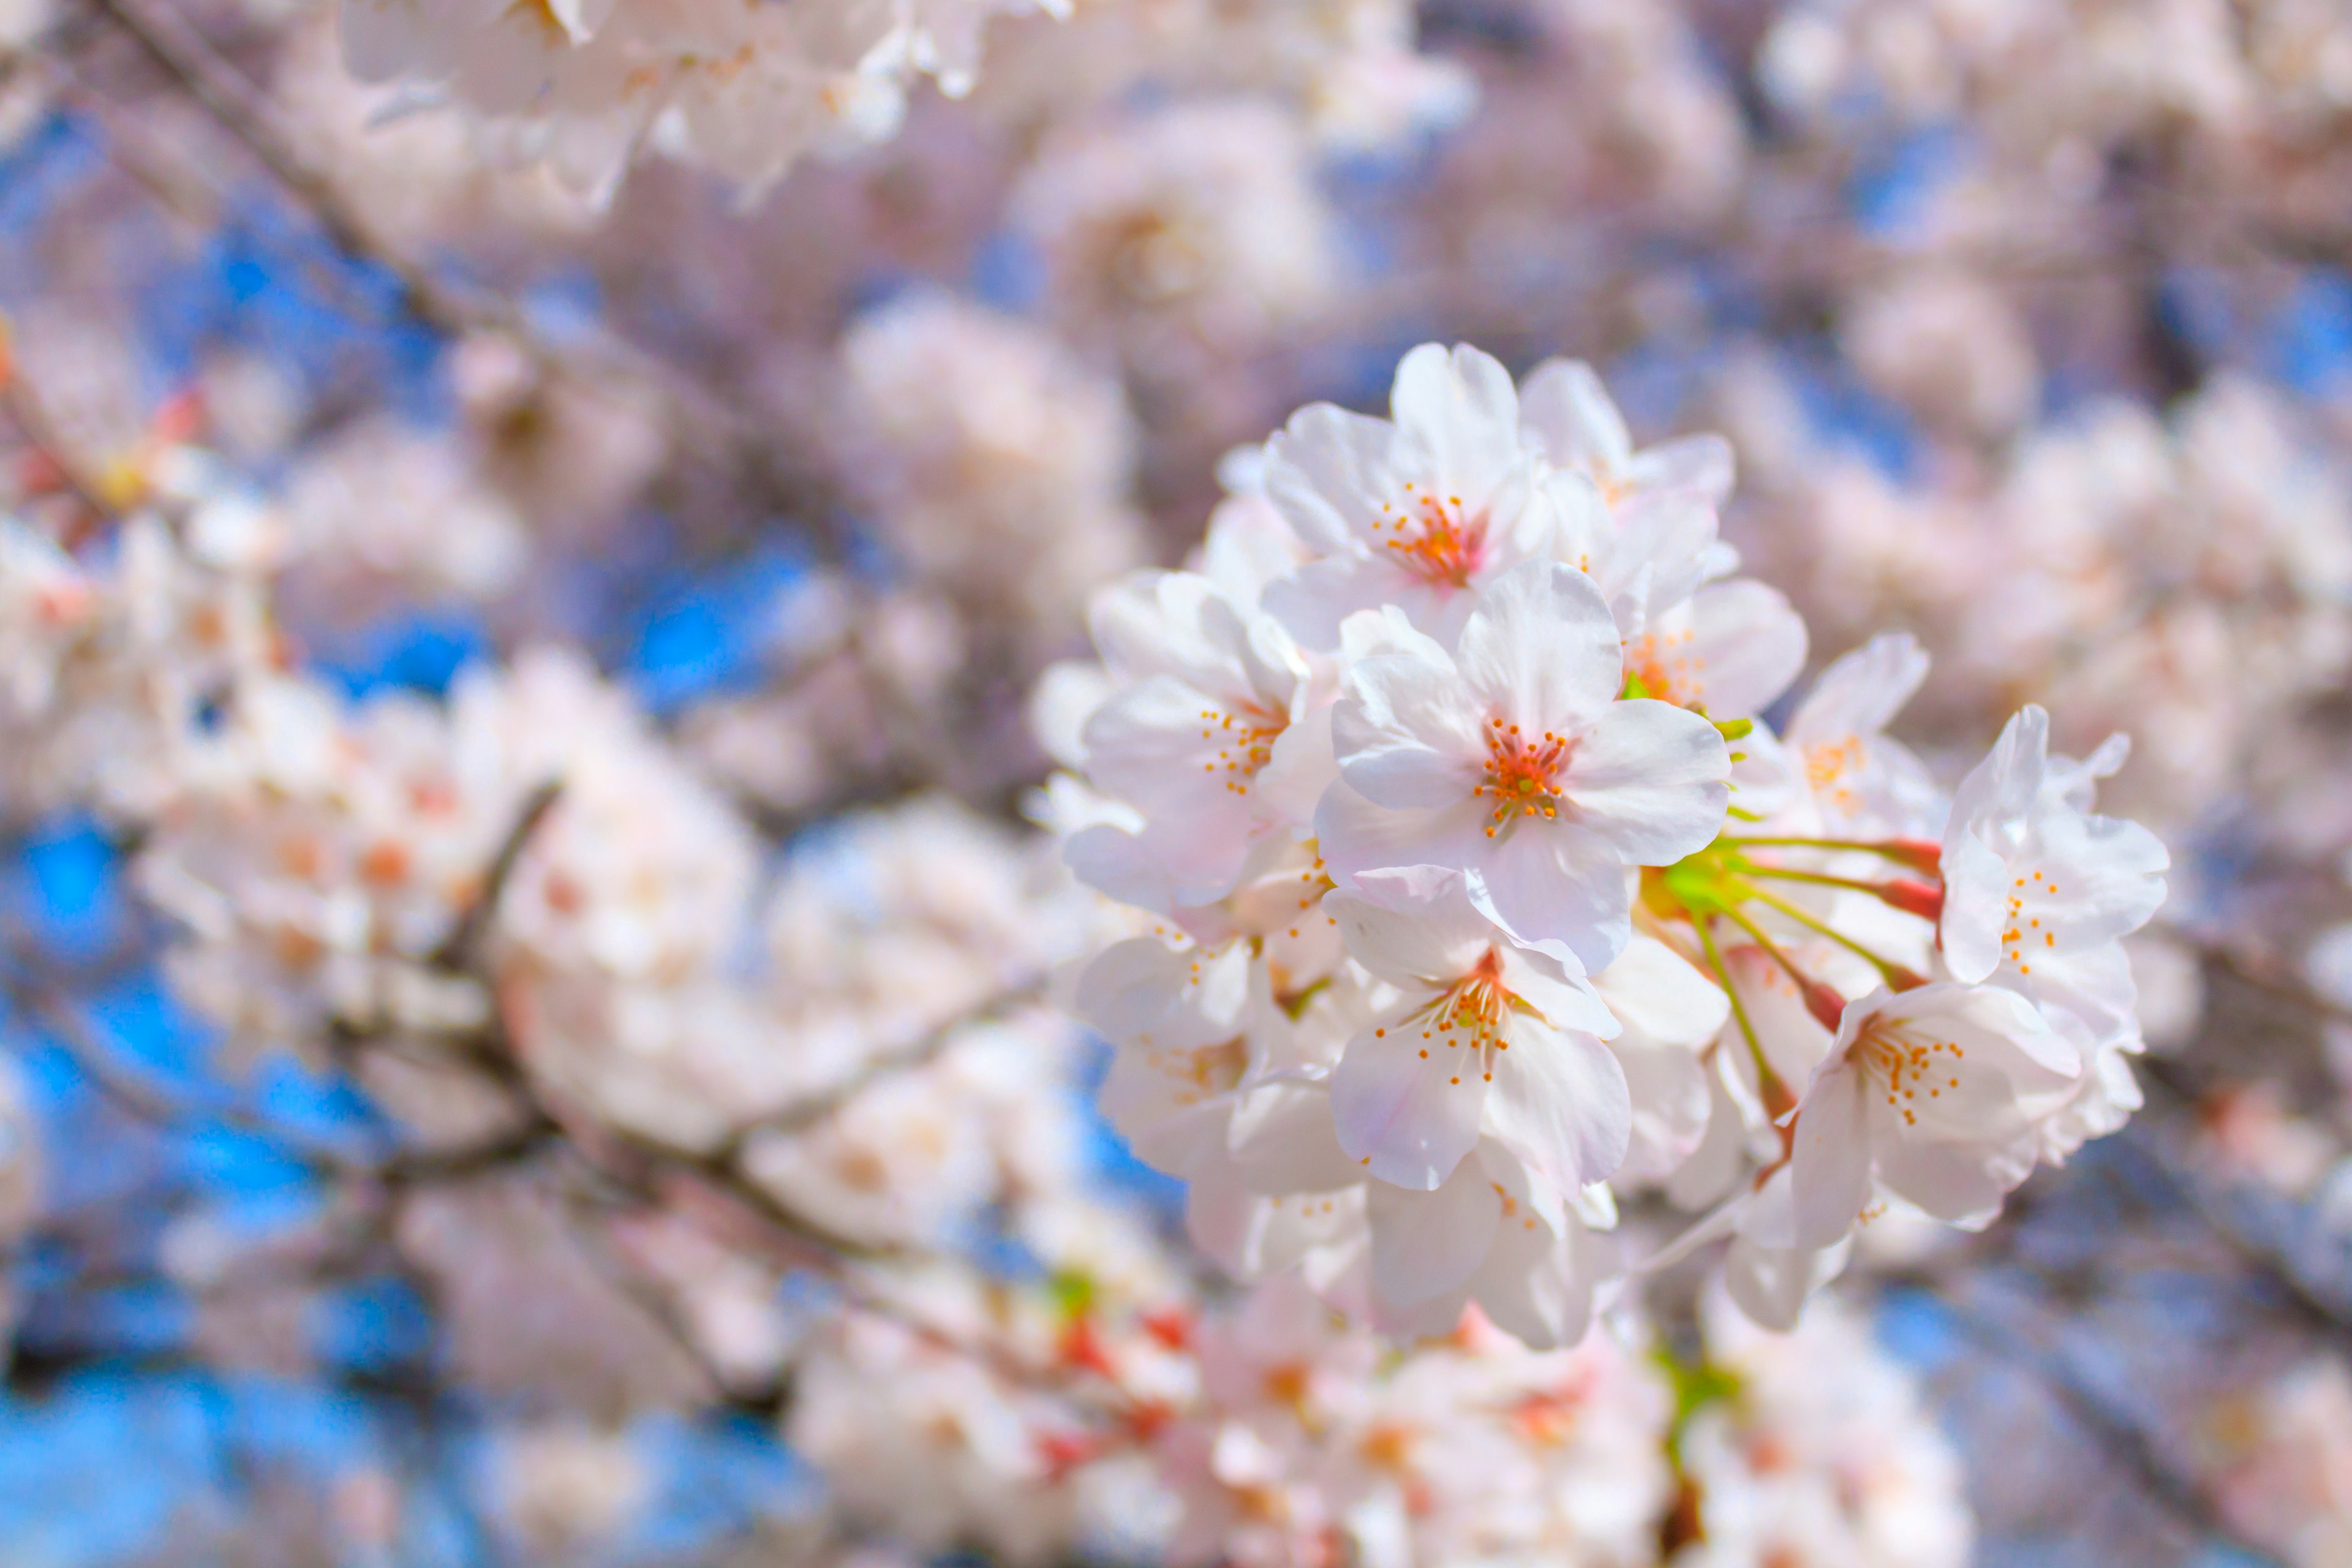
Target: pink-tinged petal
<point x="1703" y="463"/>
<point x="1119" y="865"/>
<point x="1653" y="780"/>
<point x="1555" y="881"/>
<point x="1559" y="1102"/>
<point x="1829" y="1164"/>
<point x="1251" y="1235"/>
<point x="1412" y="924"/>
<point x="1369" y="634"/>
<point x="1168" y="1119"/>
<point x="1302" y="767"/>
<point x="1706" y="1175"/>
<point x="1651" y="990"/>
<point x="1550" y="981"/>
<point x="1995" y="798"/>
<point x="1537" y="1288"/>
<point x="1433" y="1319"/>
<point x="1461" y="411"/>
<point x="1668" y="1087"/>
<point x="1405" y="736"/>
<point x="2109" y="874"/>
<point x="1976" y="908"/>
<point x="1861" y="692"/>
<point x="1142" y="991"/>
<point x="1747" y="644"/>
<point x="2007" y="1027"/>
<point x="1663" y="547"/>
<point x="1426" y="1244"/>
<point x="1354" y="836"/>
<point x="1541" y="651"/>
<point x="2095" y="988"/>
<point x="1329" y="472"/>
<point x="1771" y="1285"/>
<point x="1566" y="414"/>
<point x="1960" y="1185"/>
<point x="1281" y="1140"/>
<point x="1406" y="1102"/>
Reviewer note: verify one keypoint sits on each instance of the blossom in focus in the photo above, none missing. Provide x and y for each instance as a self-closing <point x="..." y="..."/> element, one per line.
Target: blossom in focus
<point x="1511" y="758"/>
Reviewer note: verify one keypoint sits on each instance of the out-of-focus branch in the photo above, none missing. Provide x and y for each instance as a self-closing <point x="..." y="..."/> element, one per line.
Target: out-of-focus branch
<point x="810" y="1110"/>
<point x="462" y="949"/>
<point x="2118" y="1435"/>
<point x="695" y="417"/>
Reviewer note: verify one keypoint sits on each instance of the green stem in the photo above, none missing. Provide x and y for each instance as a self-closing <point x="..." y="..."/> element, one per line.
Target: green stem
<point x="1747" y="868"/>
<point x="1739" y="1008"/>
<point x="1887" y="969"/>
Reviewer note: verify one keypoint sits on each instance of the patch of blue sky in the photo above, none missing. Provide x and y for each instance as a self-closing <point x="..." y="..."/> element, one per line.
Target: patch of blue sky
<point x="1845" y="414"/>
<point x="141" y="1318"/>
<point x="145" y="1026"/>
<point x="265" y="282"/>
<point x="63" y="889"/>
<point x="42" y="167"/>
<point x="1008" y="272"/>
<point x="322" y="1107"/>
<point x="710" y="1480"/>
<point x="710" y="631"/>
<point x="1112" y="1159"/>
<point x="316" y="1430"/>
<point x="2309" y="335"/>
<point x="1892" y="193"/>
<point x="98" y="1470"/>
<point x="997" y="1250"/>
<point x="2199" y="306"/>
<point x="1919" y="1330"/>
<point x="233" y="1162"/>
<point x="376" y="1325"/>
<point x="416" y="649"/>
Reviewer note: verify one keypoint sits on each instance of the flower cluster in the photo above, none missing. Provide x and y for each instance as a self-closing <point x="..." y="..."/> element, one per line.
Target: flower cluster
<point x="1483" y="896"/>
<point x="748" y="91"/>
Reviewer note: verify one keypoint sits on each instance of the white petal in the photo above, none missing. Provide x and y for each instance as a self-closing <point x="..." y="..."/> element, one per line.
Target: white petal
<point x="1405" y="734"/>
<point x="1329" y="472"/>
<point x="1426" y="1244"/>
<point x="1653" y="779"/>
<point x="1541" y="651"/>
<point x="1536" y="1287"/>
<point x="1463" y="412"/>
<point x="1567" y="414"/>
<point x="1555" y="881"/>
<point x="1830" y="1167"/>
<point x="1405" y="1104"/>
<point x="1559" y="1102"/>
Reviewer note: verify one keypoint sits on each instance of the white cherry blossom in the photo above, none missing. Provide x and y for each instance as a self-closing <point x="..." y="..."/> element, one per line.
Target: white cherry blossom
<point x="1414" y="1088"/>
<point x="1931" y="1092"/>
<point x="1422" y="510"/>
<point x="1511" y="758"/>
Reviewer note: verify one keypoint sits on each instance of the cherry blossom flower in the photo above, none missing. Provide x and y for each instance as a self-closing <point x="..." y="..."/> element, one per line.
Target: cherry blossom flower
<point x="1421" y="511"/>
<point x="1931" y="1092"/>
<point x="1412" y="1091"/>
<point x="1511" y="758"/>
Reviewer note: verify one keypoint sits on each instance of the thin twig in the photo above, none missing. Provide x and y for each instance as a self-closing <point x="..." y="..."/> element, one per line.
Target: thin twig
<point x="2116" y="1431"/>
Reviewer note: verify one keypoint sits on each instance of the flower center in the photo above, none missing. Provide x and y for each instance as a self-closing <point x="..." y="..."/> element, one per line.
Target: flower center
<point x="1520" y="773"/>
<point x="1434" y="538"/>
<point x="1245" y="738"/>
<point x="1909" y="1067"/>
<point x="1470" y="1012"/>
<point x="1204" y="1071"/>
<point x="1830" y="763"/>
<point x="1668" y="671"/>
<point x="2017" y="944"/>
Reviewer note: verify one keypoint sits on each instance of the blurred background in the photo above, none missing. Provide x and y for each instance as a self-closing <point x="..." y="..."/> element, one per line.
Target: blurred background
<point x="399" y="421"/>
